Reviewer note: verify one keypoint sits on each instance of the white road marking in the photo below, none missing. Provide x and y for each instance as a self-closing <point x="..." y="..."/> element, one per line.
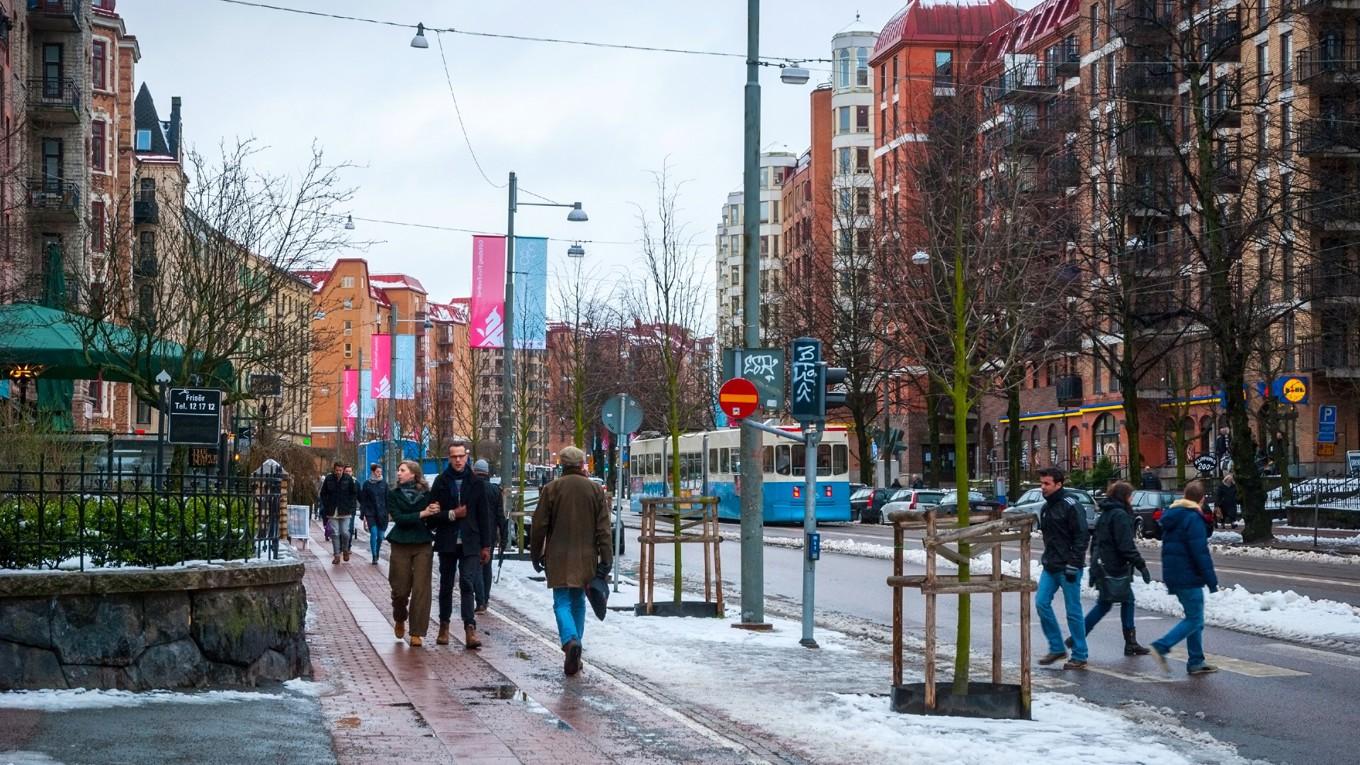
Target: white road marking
<point x="1240" y="666"/>
<point x="1344" y="661"/>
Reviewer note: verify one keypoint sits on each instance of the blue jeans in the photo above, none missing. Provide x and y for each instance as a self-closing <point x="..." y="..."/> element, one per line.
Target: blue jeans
<point x="1190" y="629"/>
<point x="569" y="606"/>
<point x="1102" y="607"/>
<point x="342" y="533"/>
<point x="1049" y="584"/>
<point x="375" y="540"/>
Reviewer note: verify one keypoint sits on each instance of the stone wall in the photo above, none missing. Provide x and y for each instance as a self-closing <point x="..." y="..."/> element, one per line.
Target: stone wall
<point x="229" y="624"/>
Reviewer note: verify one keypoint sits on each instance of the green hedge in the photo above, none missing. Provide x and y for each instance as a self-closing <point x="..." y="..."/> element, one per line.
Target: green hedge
<point x="110" y="531"/>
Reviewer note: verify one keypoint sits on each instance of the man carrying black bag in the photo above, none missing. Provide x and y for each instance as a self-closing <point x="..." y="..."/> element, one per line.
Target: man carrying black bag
<point x="1114" y="558"/>
<point x="572" y="539"/>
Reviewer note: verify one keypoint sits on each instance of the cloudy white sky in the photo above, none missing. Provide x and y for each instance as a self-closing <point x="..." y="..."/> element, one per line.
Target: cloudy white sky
<point x="576" y="123"/>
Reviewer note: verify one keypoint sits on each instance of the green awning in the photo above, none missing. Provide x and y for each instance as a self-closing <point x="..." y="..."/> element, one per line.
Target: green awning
<point x="49" y="340"/>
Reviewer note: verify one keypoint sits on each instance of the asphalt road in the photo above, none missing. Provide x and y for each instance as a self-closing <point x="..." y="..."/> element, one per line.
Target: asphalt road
<point x="1277" y="701"/>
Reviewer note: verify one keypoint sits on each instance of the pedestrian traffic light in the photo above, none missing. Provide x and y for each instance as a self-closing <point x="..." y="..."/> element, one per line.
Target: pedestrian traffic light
<point x="834" y="382"/>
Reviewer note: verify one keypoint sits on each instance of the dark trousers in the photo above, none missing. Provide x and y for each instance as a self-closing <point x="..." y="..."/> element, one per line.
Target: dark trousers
<point x="484" y="594"/>
<point x="469" y="571"/>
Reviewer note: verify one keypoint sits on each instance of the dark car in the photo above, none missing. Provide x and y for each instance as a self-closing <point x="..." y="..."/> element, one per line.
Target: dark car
<point x="1032" y="501"/>
<point x="949" y="503"/>
<point x="1148" y="506"/>
<point x="866" y="505"/>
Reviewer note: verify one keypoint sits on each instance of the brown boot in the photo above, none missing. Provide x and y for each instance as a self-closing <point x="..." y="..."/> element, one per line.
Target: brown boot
<point x="470" y="640"/>
<point x="417" y="641"/>
<point x="345" y="556"/>
<point x="335" y="560"/>
<point x="443" y="637"/>
<point x="400" y="629"/>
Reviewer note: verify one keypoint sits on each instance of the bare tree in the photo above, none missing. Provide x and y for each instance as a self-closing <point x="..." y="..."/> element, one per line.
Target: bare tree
<point x="584" y="305"/>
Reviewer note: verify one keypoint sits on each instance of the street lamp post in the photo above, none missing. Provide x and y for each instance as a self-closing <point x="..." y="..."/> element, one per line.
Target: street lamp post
<point x="577" y="215"/>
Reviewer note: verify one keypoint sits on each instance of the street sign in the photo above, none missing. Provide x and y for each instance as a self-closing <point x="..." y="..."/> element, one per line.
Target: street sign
<point x="1326" y="424"/>
<point x="266" y="385"/>
<point x="621" y="414"/>
<point x="762" y="366"/>
<point x="195" y="416"/>
<point x="738" y="398"/>
<point x="1204" y="463"/>
<point x="1326" y="450"/>
<point x="806" y="388"/>
<point x="202" y="458"/>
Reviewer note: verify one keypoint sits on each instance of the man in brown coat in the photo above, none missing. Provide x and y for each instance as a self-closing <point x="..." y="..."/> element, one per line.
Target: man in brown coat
<point x="571" y="539"/>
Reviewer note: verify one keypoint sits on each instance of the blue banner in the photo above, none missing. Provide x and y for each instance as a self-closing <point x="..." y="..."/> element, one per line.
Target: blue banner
<point x="368" y="407"/>
<point x="404" y="376"/>
<point x="531" y="293"/>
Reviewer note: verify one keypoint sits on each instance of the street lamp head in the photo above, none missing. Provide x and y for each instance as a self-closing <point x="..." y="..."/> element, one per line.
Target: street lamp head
<point x="920" y="258"/>
<point x="577" y="215"/>
<point x="349" y="222"/>
<point x="576" y="251"/>
<point x="793" y="74"/>
<point x="419" y="40"/>
<point x="163" y="378"/>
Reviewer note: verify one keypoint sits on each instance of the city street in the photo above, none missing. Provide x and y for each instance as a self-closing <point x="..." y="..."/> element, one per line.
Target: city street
<point x="1252" y="701"/>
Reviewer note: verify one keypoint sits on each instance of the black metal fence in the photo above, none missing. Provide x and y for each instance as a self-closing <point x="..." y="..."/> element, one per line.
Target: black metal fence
<point x="76" y="517"/>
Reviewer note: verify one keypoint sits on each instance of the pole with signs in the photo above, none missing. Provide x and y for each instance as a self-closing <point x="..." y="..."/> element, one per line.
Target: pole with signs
<point x="162" y="380"/>
<point x="808" y="406"/>
<point x="622" y="416"/>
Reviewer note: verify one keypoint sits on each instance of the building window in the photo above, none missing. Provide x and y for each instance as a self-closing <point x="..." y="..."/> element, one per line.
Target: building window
<point x="844" y="67"/>
<point x="1286" y="61"/>
<point x="146" y="246"/>
<point x="862" y="67"/>
<point x="347" y="282"/>
<point x="97" y="144"/>
<point x="842" y="120"/>
<point x="349" y="350"/>
<point x="944" y="68"/>
<point x="843" y="161"/>
<point x="1262" y="69"/>
<point x="99" y="57"/>
<point x="143" y="413"/>
<point x="97" y="223"/>
<point x="1286" y="129"/>
<point x="143" y="140"/>
<point x="349" y="327"/>
<point x="1095" y="22"/>
<point x="861" y="119"/>
<point x="765" y="212"/>
<point x="862" y="159"/>
<point x="896" y="77"/>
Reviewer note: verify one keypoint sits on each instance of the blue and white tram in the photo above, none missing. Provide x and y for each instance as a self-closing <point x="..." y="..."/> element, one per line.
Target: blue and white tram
<point x="710" y="464"/>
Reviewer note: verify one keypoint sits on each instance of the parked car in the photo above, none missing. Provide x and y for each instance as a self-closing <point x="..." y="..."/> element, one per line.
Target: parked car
<point x="977" y="503"/>
<point x="866" y="505"/>
<point x="1033" y="500"/>
<point x="909" y="499"/>
<point x="1148" y="506"/>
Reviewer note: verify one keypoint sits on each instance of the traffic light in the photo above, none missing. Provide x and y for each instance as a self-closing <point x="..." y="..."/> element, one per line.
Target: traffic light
<point x="833" y="379"/>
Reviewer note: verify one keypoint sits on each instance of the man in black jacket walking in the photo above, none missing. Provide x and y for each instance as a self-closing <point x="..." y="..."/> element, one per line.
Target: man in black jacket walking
<point x="463" y="535"/>
<point x="482" y="469"/>
<point x="339" y="502"/>
<point x="1062" y="520"/>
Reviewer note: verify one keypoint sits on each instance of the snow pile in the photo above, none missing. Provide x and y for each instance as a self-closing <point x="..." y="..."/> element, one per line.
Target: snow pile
<point x="307" y="687"/>
<point x="1225" y="538"/>
<point x="1281" y="614"/>
<point x="82" y="699"/>
<point x="830" y="703"/>
<point x="1307" y="539"/>
<point x="1228" y="544"/>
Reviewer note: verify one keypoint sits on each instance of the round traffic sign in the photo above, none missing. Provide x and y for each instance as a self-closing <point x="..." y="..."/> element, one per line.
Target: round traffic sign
<point x="621" y="414"/>
<point x="738" y="398"/>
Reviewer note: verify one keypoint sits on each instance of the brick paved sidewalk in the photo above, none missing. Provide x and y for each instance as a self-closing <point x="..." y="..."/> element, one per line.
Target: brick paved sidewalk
<point x="506" y="703"/>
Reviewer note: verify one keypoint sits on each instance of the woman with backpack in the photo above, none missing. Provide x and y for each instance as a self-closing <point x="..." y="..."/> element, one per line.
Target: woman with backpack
<point x="1114" y="558"/>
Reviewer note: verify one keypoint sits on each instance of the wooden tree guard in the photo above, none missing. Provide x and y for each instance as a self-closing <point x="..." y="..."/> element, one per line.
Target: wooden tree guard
<point x="685" y="515"/>
<point x="987" y="532"/>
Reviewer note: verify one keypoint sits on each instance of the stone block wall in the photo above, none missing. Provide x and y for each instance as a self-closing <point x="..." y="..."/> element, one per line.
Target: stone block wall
<point x="234" y="624"/>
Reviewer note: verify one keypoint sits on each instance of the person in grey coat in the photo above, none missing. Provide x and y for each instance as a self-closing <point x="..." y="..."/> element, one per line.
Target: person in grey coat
<point x="373" y="507"/>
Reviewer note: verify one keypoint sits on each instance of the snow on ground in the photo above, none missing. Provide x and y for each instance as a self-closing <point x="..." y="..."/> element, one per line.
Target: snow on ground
<point x="1228" y="544"/>
<point x="307" y="687"/>
<point x="1275" y="613"/>
<point x="82" y="699"/>
<point x="831" y="703"/>
<point x="1307" y="539"/>
<point x="286" y="553"/>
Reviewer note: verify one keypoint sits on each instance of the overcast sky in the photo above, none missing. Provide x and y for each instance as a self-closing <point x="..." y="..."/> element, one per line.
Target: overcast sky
<point x="576" y="123"/>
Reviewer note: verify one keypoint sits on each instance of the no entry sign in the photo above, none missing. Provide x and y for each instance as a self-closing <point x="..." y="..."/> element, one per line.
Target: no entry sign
<point x="738" y="398"/>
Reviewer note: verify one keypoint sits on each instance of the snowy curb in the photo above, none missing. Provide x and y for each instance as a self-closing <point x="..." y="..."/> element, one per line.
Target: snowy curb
<point x="1228" y="544"/>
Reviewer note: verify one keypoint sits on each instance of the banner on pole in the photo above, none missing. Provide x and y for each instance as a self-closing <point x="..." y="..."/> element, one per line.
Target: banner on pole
<point x="486" y="327"/>
<point x="368" y="407"/>
<point x="531" y="293"/>
<point x="405" y="373"/>
<point x="382" y="366"/>
<point x="350" y="399"/>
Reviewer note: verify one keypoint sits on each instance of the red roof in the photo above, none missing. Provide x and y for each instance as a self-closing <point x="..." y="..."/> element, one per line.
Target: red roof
<point x="939" y="21"/>
<point x="449" y="312"/>
<point x="397" y="281"/>
<point x="1024" y="30"/>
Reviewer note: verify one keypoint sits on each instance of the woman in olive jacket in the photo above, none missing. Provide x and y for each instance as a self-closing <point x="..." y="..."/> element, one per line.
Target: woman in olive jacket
<point x="409" y="503"/>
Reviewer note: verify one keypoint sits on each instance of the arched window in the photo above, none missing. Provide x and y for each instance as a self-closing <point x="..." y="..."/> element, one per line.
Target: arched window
<point x="1074" y="447"/>
<point x="1106" y="436"/>
<point x="1053" y="444"/>
<point x="1006" y="444"/>
<point x="1035" y="456"/>
<point x="844" y="66"/>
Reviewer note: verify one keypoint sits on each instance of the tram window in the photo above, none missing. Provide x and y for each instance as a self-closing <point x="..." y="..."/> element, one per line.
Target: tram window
<point x="824" y="459"/>
<point x="783" y="462"/>
<point x="769" y="460"/>
<point x="799" y="454"/>
<point x="656" y="464"/>
<point x="840" y="462"/>
<point x="713" y="460"/>
<point x="724" y="460"/>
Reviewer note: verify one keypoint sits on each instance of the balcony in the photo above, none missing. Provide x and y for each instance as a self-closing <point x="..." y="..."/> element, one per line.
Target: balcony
<point x="1337" y="136"/>
<point x="54" y="101"/>
<point x="1335" y="356"/>
<point x="1329" y="66"/>
<point x="1028" y="80"/>
<point x="54" y="201"/>
<point x="1227" y="175"/>
<point x="1309" y="7"/>
<point x="145" y="266"/>
<point x="1069" y="386"/>
<point x="1139" y="259"/>
<point x="1148" y="138"/>
<point x="54" y="15"/>
<point x="1147" y="200"/>
<point x="1068" y="63"/>
<point x="1145" y="21"/>
<point x="1062" y="173"/>
<point x="1332" y="209"/>
<point x="1222" y="39"/>
<point x="1332" y="282"/>
<point x="1025" y="137"/>
<point x="1147" y="79"/>
<point x="146" y="212"/>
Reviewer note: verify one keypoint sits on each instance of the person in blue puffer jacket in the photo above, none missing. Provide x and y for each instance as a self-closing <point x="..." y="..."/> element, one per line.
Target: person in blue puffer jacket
<point x="1187" y="569"/>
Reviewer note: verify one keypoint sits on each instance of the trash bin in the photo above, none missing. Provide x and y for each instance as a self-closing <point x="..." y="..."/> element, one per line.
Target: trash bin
<point x="298" y="523"/>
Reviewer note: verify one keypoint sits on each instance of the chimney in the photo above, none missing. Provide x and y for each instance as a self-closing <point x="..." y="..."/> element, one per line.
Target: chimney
<point x="174" y="131"/>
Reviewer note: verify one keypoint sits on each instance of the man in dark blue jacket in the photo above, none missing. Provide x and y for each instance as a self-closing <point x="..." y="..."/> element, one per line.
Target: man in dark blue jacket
<point x="1062" y="520"/>
<point x="1187" y="569"/>
<point x="463" y="535"/>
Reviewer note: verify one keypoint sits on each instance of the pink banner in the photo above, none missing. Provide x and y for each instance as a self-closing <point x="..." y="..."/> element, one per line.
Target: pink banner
<point x="350" y="400"/>
<point x="486" y="328"/>
<point x="382" y="367"/>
